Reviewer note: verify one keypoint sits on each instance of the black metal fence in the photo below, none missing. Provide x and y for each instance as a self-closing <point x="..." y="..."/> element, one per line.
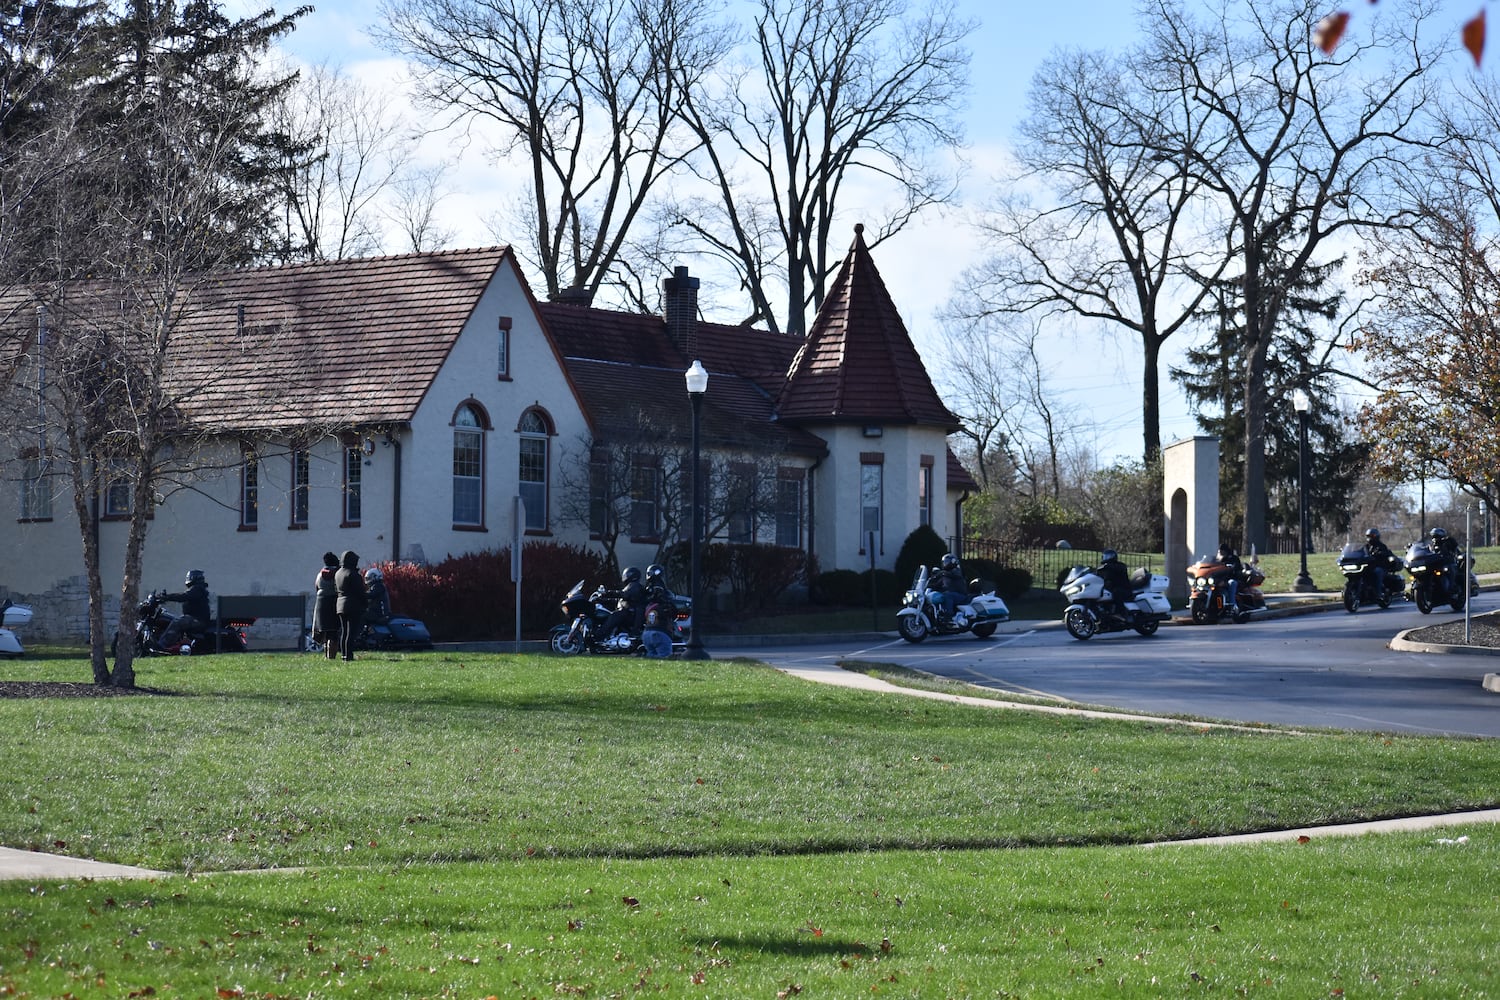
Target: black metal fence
<point x="1046" y="565"/>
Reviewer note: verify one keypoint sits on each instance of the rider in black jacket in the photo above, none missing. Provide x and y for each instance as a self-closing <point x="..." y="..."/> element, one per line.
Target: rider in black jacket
<point x="1116" y="577"/>
<point x="631" y="604"/>
<point x="1380" y="557"/>
<point x="196" y="613"/>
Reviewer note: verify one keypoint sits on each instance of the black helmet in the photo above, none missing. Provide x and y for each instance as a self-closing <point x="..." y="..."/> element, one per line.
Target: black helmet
<point x="655" y="572"/>
<point x="632" y="574"/>
<point x="950" y="561"/>
<point x="1373" y="534"/>
<point x="194" y="576"/>
<point x="1438" y="534"/>
<point x="1108" y="556"/>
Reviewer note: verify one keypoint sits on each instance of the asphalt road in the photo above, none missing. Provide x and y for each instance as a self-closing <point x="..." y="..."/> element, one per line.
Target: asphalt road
<point x="1328" y="669"/>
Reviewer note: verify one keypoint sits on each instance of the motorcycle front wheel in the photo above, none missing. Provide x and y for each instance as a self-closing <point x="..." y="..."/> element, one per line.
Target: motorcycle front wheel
<point x="1080" y="624"/>
<point x="911" y="628"/>
<point x="571" y="642"/>
<point x="1424" y="601"/>
<point x="1351" y="596"/>
<point x="1200" y="609"/>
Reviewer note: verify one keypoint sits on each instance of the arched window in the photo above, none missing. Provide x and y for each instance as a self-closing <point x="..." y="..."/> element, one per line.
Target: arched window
<point x="468" y="467"/>
<point x="534" y="431"/>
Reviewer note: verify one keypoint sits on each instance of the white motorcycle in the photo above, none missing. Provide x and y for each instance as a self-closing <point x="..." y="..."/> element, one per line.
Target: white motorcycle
<point x="920" y="616"/>
<point x="12" y="616"/>
<point x="1087" y="614"/>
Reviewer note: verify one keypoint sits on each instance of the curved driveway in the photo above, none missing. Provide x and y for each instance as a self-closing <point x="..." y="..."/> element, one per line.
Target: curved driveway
<point x="1322" y="669"/>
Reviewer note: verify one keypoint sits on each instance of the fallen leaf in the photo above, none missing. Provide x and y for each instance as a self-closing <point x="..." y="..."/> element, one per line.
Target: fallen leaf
<point x="1330" y="30"/>
<point x="630" y="901"/>
<point x="1473" y="37"/>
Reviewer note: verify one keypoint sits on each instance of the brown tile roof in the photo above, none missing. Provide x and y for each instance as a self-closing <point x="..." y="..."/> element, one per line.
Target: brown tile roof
<point x="626" y="368"/>
<point x="859" y="364"/>
<point x="337" y="344"/>
<point x="346" y="342"/>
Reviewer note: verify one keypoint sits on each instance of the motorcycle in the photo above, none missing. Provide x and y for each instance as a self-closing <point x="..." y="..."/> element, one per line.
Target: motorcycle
<point x="1087" y="615"/>
<point x="920" y="616"/>
<point x="1208" y="580"/>
<point x="583" y="632"/>
<point x="152" y="619"/>
<point x="12" y="617"/>
<point x="1359" y="579"/>
<point x="1435" y="580"/>
<point x="397" y="632"/>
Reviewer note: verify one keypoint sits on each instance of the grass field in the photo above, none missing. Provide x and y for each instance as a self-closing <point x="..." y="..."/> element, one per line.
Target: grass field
<point x="446" y="825"/>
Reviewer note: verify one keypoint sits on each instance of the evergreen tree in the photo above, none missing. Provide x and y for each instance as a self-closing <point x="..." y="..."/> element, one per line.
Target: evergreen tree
<point x="1213" y="380"/>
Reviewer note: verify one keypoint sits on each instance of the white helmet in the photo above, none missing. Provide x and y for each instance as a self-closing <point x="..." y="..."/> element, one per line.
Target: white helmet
<point x="372" y="574"/>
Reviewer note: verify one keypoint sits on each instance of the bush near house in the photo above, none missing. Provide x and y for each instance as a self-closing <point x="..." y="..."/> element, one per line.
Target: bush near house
<point x="923" y="547"/>
<point x="471" y="597"/>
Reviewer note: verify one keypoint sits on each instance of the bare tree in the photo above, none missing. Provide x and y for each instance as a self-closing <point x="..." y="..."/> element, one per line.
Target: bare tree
<point x="587" y="92"/>
<point x="416" y="194"/>
<point x="1434" y="336"/>
<point x="356" y="150"/>
<point x="1118" y="237"/>
<point x="835" y="95"/>
<point x="1297" y="150"/>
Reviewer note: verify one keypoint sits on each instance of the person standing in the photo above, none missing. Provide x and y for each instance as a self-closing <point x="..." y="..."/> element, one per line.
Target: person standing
<point x="351" y="602"/>
<point x="325" y="621"/>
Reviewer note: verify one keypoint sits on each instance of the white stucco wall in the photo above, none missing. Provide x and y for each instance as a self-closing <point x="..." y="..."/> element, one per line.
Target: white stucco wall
<point x="840" y="542"/>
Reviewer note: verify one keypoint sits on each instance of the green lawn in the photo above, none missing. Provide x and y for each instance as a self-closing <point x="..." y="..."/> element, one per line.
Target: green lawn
<point x="527" y="826"/>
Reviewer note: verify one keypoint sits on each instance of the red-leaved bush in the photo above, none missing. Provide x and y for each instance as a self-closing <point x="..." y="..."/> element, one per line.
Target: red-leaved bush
<point x="471" y="597"/>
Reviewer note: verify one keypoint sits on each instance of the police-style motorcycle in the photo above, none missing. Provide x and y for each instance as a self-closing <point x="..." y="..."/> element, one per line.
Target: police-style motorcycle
<point x="921" y="615"/>
<point x="12" y="617"/>
<point x="1088" y="613"/>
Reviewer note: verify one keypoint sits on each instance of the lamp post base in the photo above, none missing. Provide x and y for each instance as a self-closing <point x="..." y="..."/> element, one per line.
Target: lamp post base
<point x="1304" y="584"/>
<point x="694" y="650"/>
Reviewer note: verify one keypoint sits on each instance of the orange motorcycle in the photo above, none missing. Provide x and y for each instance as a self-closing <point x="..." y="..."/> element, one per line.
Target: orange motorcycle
<point x="1209" y="579"/>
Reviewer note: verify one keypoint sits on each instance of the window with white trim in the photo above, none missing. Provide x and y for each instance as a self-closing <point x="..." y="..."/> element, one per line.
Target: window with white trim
<point x="532" y="475"/>
<point x="301" y="486"/>
<point x="249" y="491"/>
<point x="36" y="488"/>
<point x="468" y="468"/>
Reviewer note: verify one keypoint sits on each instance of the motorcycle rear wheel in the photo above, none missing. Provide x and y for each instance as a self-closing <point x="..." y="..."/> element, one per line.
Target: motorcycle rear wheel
<point x="986" y="630"/>
<point x="1080" y="624"/>
<point x="1351" y="596"/>
<point x="1147" y="627"/>
<point x="911" y="628"/>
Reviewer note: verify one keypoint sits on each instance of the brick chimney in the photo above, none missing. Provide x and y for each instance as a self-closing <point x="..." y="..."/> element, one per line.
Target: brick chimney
<point x="679" y="295"/>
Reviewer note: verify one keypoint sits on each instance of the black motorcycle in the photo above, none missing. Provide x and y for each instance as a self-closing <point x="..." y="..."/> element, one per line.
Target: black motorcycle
<point x="586" y="615"/>
<point x="394" y="633"/>
<point x="152" y="619"/>
<point x="1436" y="579"/>
<point x="1360" y="586"/>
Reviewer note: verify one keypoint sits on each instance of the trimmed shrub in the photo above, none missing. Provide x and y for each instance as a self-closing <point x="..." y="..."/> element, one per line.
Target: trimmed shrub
<point x="888" y="589"/>
<point x="923" y="547"/>
<point x="839" y="587"/>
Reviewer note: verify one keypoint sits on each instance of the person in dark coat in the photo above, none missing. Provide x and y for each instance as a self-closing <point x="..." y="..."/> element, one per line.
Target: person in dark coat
<point x="351" y="602"/>
<point x="325" y="621"/>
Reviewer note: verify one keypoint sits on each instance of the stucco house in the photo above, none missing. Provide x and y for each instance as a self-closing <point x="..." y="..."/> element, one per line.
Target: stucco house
<point x="399" y="406"/>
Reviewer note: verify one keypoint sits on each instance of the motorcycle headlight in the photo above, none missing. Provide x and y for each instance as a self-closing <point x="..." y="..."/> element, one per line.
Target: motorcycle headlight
<point x="1072" y="589"/>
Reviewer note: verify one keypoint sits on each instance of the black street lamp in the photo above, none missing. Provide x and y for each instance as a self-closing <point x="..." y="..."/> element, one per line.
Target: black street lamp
<point x="697" y="385"/>
<point x="1301" y="403"/>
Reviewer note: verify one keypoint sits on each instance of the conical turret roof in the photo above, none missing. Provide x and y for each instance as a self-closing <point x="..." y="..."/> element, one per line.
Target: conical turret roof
<point x="858" y="364"/>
